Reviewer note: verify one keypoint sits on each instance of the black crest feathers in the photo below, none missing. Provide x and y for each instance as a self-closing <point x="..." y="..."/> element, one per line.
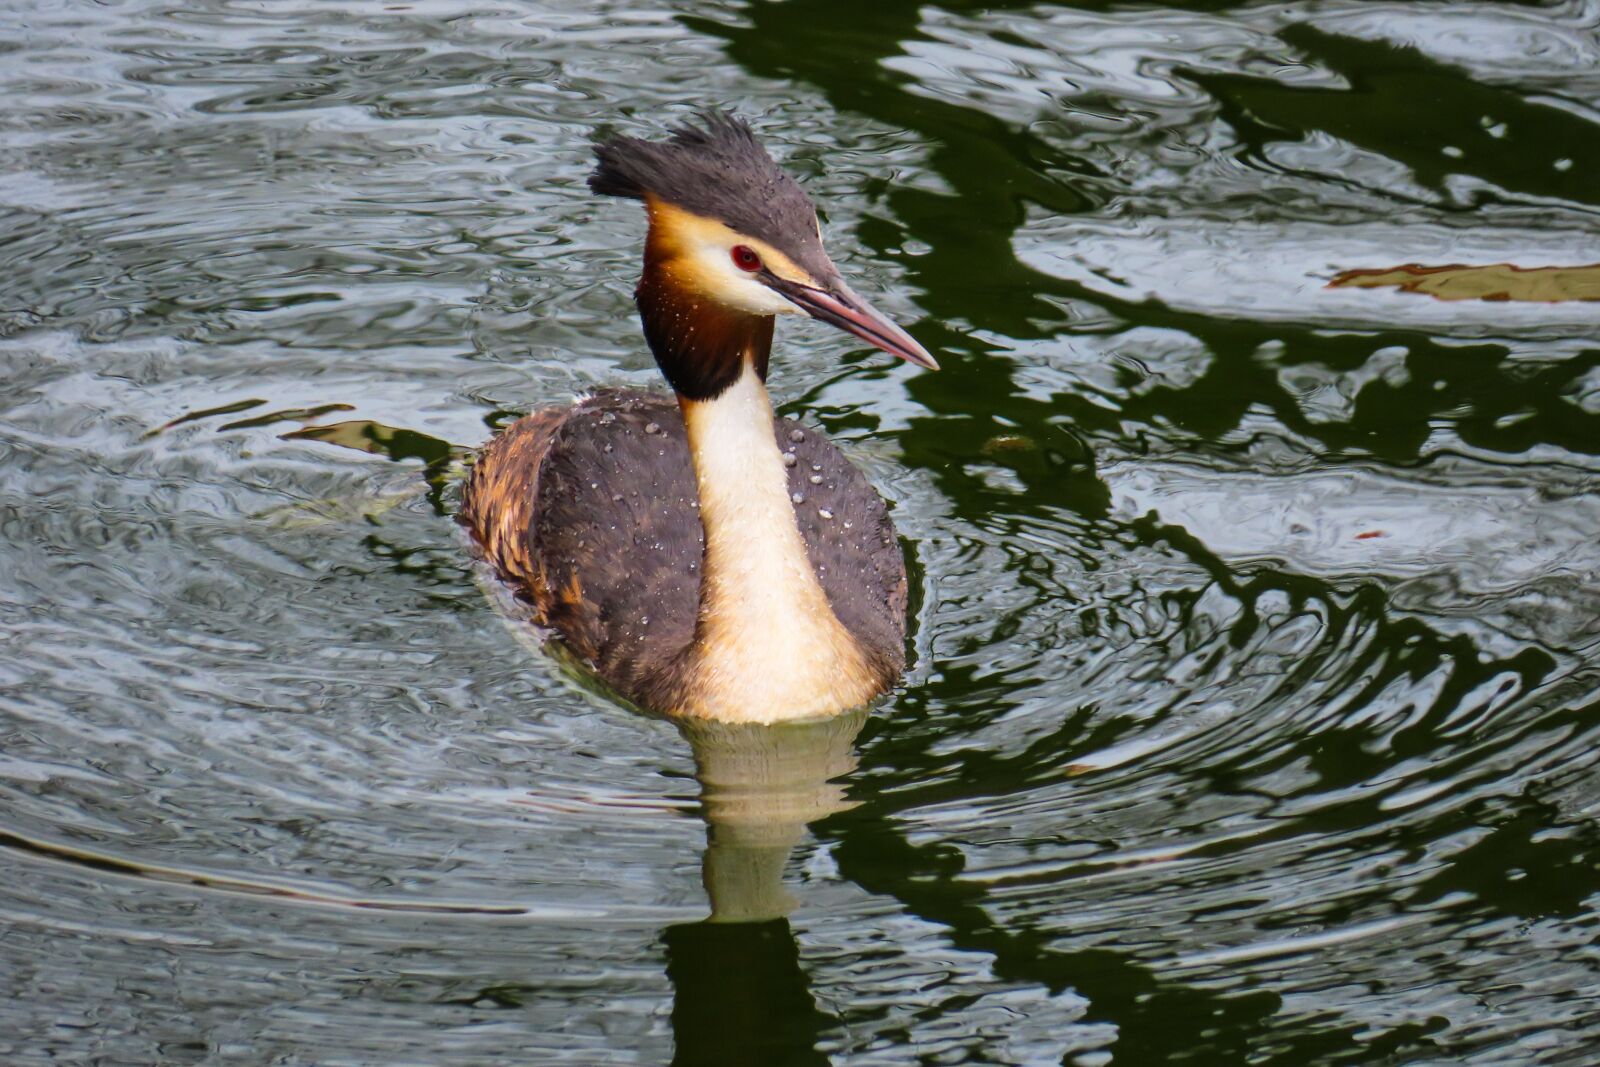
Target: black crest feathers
<point x="632" y="167"/>
<point x="719" y="170"/>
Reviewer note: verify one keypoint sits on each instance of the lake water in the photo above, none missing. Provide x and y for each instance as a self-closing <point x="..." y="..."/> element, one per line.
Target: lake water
<point x="1254" y="707"/>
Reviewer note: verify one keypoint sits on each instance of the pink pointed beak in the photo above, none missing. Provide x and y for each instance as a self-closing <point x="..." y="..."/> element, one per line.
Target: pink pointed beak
<point x="840" y="307"/>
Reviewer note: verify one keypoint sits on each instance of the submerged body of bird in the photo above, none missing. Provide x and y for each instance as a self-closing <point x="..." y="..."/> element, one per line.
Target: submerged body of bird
<point x="702" y="556"/>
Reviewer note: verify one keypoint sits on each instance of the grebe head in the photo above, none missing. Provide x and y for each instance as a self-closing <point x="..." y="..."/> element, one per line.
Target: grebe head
<point x="732" y="237"/>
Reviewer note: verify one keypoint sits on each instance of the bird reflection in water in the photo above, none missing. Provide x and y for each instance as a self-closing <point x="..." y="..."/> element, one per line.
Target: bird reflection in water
<point x="740" y="995"/>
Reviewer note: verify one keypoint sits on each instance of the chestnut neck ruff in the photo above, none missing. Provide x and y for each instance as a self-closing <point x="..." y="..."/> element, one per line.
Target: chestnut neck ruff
<point x="700" y="345"/>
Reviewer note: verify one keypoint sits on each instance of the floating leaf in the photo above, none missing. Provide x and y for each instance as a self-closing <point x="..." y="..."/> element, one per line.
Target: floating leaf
<point x="194" y="416"/>
<point x="397" y="444"/>
<point x="1497" y="281"/>
<point x="287" y="415"/>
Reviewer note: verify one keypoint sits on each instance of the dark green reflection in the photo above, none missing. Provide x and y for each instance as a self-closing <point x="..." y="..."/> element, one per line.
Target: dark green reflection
<point x="1435" y="119"/>
<point x="740" y="998"/>
<point x="1400" y="105"/>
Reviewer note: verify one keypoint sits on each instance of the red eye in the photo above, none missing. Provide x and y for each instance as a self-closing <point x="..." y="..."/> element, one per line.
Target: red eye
<point x="745" y="258"/>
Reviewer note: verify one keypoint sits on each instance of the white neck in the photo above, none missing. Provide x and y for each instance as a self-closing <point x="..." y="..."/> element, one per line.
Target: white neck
<point x="768" y="645"/>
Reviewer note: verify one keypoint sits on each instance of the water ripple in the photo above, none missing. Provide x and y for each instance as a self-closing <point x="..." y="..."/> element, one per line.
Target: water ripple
<point x="1254" y="697"/>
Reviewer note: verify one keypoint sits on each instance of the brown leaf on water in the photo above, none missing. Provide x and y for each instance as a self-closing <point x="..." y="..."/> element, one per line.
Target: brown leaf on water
<point x="364" y="435"/>
<point x="1496" y="281"/>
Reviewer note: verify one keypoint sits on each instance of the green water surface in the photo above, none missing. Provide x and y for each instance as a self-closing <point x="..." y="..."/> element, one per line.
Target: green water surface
<point x="1255" y="673"/>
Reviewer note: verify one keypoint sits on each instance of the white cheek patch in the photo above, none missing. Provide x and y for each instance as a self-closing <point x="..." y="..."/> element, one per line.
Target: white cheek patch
<point x="737" y="288"/>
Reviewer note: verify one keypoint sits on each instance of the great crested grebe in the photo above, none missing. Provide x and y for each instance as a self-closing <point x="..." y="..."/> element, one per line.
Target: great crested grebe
<point x="704" y="557"/>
